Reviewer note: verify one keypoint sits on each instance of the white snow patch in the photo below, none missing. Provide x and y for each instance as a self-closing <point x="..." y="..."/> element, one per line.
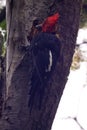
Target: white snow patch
<point x="82" y="36"/>
<point x="66" y="124"/>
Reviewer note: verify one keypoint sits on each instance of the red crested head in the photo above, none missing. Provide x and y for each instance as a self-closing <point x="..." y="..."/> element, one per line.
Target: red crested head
<point x="50" y="22"/>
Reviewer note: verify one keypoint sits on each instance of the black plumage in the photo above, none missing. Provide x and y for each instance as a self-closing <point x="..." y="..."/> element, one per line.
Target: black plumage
<point x="45" y="52"/>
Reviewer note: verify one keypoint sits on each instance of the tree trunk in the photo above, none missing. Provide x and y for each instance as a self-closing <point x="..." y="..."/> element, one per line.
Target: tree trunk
<point x="17" y="115"/>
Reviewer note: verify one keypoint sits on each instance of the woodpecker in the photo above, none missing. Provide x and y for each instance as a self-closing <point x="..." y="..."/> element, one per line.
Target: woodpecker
<point x="45" y="53"/>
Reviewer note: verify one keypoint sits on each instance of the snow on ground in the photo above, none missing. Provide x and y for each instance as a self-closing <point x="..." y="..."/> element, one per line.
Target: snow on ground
<point x="73" y="103"/>
<point x="82" y="36"/>
<point x="66" y="124"/>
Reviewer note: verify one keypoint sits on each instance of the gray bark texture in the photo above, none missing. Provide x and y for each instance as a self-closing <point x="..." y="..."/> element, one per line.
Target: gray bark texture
<point x="19" y="63"/>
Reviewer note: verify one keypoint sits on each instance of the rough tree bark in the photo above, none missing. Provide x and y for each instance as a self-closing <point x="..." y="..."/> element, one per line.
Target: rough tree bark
<point x="20" y="14"/>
